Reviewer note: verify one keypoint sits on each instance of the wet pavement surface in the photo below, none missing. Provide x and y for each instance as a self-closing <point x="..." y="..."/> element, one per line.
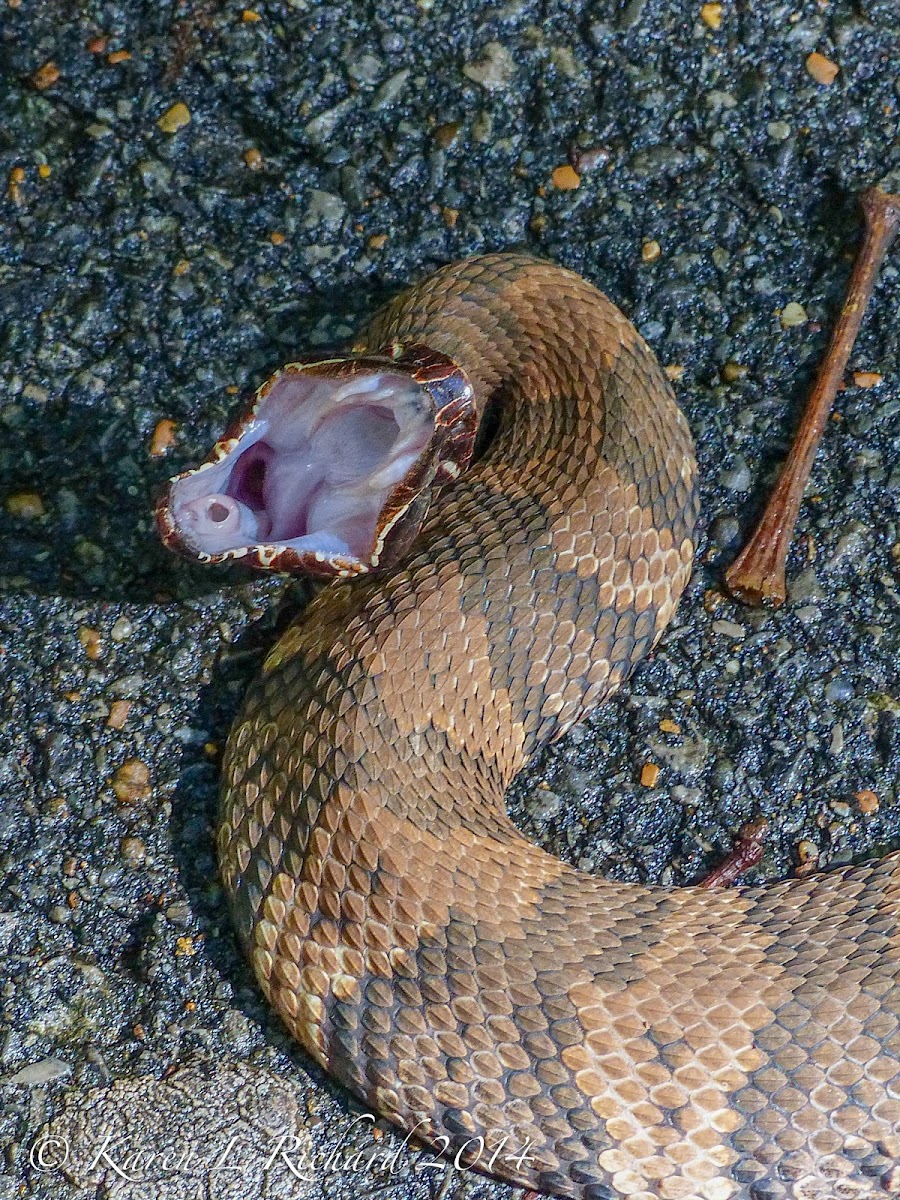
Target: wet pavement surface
<point x="193" y="193"/>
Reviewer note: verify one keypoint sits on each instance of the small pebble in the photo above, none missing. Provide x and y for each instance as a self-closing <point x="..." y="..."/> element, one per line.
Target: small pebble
<point x="729" y="629"/>
<point x="793" y="314"/>
<point x="118" y="714"/>
<point x="808" y="854"/>
<point x="14" y="189"/>
<point x="174" y="118"/>
<point x="45" y="76"/>
<point x="868" y="802"/>
<point x="566" y="178"/>
<point x="28" y="506"/>
<point x="650" y="250"/>
<point x="131" y="781"/>
<point x="494" y="70"/>
<point x="445" y="135"/>
<point x="133" y="851"/>
<point x="673" y="371"/>
<point x="122" y="629"/>
<point x="738" y="478"/>
<point x="711" y="15"/>
<point x="118" y="56"/>
<point x="733" y="371"/>
<point x="668" y="726"/>
<point x="91" y="641"/>
<point x="590" y="159"/>
<point x="39" y="1073"/>
<point x="97" y="45"/>
<point x="649" y="774"/>
<point x="184" y="947"/>
<point x="249" y="15"/>
<point x="822" y="69"/>
<point x="163" y="438"/>
<point x="253" y="159"/>
<point x="839" y="689"/>
<point x="867" y="379"/>
<point x="725" y="532"/>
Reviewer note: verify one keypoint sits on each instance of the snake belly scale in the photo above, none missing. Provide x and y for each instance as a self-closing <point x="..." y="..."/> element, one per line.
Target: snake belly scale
<point x="582" y="1037"/>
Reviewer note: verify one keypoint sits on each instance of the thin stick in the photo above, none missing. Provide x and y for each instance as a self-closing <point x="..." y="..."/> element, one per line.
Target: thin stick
<point x="757" y="574"/>
<point x="746" y="853"/>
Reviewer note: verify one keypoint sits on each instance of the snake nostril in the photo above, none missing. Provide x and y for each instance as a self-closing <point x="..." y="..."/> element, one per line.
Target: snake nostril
<point x="218" y="512"/>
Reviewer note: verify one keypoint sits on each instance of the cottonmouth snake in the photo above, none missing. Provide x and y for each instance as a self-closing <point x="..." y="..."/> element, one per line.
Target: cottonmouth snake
<point x="582" y="1037"/>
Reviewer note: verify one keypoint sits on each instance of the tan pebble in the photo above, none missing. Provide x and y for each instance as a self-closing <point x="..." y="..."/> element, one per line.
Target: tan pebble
<point x="668" y="726"/>
<point x="451" y="216"/>
<point x="174" y="118"/>
<point x="122" y="629"/>
<point x="711" y="15"/>
<point x="277" y="238"/>
<point x="181" y="267"/>
<point x="566" y="178"/>
<point x="45" y="76"/>
<point x="674" y="371"/>
<point x="868" y="802"/>
<point x="822" y="69"/>
<point x="27" y="505"/>
<point x="163" y="437"/>
<point x="133" y="851"/>
<point x="250" y="15"/>
<point x="649" y="774"/>
<point x="378" y="241"/>
<point x="118" y="714"/>
<point x="253" y="158"/>
<point x="793" y="314"/>
<point x="45" y="170"/>
<point x="651" y="250"/>
<point x="97" y="45"/>
<point x="733" y="371"/>
<point x="184" y="947"/>
<point x="16" y="179"/>
<point x="132" y="781"/>
<point x="91" y="641"/>
<point x="808" y="854"/>
<point x="445" y="135"/>
<point x="118" y="56"/>
<point x="867" y="379"/>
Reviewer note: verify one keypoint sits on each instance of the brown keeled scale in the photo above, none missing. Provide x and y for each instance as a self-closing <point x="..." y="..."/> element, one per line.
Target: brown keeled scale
<point x="624" y="1040"/>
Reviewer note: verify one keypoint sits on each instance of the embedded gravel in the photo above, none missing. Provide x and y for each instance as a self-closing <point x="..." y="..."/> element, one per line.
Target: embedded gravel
<point x="193" y="192"/>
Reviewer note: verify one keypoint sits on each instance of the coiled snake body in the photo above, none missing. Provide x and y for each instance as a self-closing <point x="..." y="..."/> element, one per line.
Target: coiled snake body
<point x="583" y="1037"/>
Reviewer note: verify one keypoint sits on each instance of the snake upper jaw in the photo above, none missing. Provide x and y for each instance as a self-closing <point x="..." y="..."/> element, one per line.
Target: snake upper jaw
<point x="331" y="469"/>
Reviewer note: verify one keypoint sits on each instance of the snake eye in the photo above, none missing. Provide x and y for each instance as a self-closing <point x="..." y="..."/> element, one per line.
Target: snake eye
<point x="310" y="471"/>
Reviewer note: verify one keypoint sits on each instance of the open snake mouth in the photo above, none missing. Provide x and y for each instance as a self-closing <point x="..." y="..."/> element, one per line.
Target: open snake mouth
<point x="309" y="470"/>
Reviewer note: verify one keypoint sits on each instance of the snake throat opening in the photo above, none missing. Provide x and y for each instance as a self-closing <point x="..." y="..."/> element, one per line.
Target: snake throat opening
<point x="311" y="469"/>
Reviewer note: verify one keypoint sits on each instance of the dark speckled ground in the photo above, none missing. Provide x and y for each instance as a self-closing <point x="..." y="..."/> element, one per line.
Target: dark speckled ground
<point x="147" y="275"/>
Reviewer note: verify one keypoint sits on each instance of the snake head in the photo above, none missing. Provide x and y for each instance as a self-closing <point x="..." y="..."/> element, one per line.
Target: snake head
<point x="332" y="468"/>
